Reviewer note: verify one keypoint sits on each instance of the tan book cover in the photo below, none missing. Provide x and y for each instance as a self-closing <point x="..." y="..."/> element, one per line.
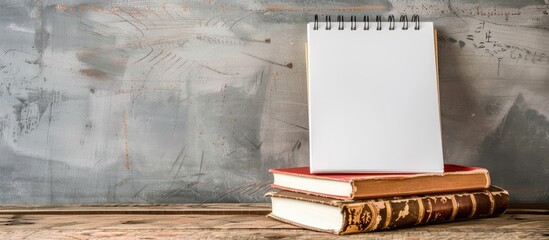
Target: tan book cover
<point x="391" y="213"/>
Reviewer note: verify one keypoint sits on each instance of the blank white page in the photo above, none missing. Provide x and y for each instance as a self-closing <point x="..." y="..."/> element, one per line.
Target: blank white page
<point x="373" y="99"/>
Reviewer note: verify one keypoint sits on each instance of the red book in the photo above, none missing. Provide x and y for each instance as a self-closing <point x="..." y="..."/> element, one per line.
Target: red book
<point x="373" y="185"/>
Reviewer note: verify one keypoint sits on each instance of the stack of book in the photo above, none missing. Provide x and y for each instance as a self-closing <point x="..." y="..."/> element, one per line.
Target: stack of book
<point x="353" y="203"/>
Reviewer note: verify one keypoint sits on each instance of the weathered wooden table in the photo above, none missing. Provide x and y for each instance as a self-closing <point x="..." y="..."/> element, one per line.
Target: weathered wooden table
<point x="233" y="221"/>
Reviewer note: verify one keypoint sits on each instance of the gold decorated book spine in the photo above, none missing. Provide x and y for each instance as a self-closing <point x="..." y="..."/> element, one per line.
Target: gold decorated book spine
<point x="392" y="214"/>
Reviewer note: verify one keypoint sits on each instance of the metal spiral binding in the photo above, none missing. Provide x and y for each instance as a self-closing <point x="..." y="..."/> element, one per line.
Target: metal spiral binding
<point x="366" y="22"/>
<point x="404" y="21"/>
<point x="415" y="18"/>
<point x="391" y="21"/>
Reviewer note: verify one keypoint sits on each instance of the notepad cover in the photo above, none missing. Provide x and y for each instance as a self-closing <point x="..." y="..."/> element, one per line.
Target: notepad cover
<point x="373" y="100"/>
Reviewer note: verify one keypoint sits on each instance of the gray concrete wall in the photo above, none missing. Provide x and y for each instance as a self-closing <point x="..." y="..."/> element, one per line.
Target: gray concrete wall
<point x="193" y="101"/>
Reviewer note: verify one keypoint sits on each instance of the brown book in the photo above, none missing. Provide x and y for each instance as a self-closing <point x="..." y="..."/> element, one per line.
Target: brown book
<point x="372" y="185"/>
<point x="345" y="217"/>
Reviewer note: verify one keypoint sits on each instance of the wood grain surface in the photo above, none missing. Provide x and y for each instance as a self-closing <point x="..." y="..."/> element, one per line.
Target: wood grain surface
<point x="166" y="209"/>
<point x="232" y="221"/>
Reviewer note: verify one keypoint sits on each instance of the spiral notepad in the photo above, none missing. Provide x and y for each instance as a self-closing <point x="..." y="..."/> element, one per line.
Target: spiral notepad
<point x="373" y="96"/>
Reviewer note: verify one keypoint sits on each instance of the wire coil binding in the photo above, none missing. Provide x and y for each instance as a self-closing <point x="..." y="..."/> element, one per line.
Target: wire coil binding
<point x="366" y="22"/>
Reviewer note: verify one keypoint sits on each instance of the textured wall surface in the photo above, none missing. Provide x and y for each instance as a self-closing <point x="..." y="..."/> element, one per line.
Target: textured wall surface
<point x="192" y="101"/>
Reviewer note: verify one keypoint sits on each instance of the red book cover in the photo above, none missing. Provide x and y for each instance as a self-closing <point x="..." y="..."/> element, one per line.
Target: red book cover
<point x="363" y="185"/>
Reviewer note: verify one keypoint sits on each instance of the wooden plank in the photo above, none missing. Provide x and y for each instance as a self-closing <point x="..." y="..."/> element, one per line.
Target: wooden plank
<point x="509" y="226"/>
<point x="223" y="208"/>
<point x="215" y="208"/>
